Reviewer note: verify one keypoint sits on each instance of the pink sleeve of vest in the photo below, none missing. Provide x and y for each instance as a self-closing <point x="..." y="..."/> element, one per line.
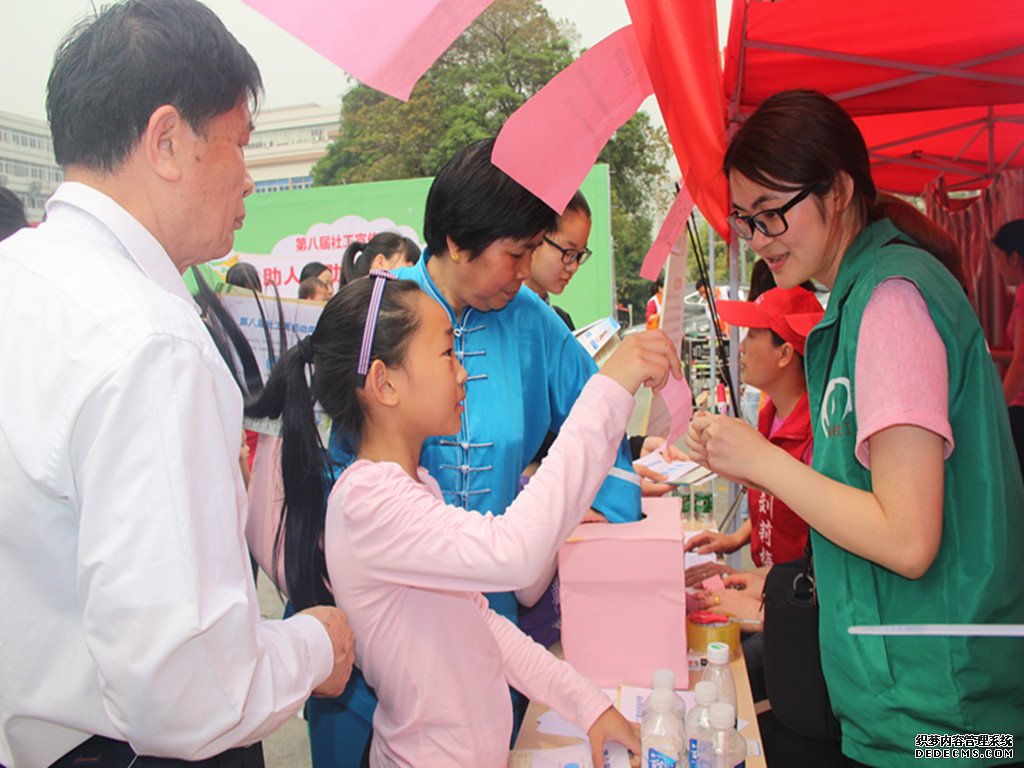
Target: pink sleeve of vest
<point x="901" y="373"/>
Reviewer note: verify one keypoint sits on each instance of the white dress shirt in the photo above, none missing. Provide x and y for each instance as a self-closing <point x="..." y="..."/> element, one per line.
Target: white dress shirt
<point x="127" y="607"/>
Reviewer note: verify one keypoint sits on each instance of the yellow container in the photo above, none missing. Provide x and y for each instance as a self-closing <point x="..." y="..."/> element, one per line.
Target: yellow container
<point x="703" y="627"/>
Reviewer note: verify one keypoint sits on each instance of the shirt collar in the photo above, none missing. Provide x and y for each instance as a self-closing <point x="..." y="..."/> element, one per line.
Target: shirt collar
<point x="135" y="240"/>
<point x="425" y="280"/>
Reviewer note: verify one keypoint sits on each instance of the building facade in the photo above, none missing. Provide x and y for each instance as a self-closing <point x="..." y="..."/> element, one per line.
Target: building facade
<point x="282" y="151"/>
<point x="287" y="143"/>
<point x="27" y="167"/>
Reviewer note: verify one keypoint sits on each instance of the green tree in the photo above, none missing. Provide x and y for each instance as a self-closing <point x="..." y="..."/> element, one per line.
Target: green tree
<point x="504" y="57"/>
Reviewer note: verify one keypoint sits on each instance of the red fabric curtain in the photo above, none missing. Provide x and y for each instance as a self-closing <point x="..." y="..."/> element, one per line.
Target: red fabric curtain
<point x="679" y="42"/>
<point x="972" y="225"/>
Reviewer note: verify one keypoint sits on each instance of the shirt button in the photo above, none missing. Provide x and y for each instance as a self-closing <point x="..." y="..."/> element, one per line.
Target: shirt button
<point x="457" y="332"/>
<point x="464" y="469"/>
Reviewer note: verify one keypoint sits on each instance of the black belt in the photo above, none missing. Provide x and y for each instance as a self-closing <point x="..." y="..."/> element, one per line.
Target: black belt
<point x="101" y="752"/>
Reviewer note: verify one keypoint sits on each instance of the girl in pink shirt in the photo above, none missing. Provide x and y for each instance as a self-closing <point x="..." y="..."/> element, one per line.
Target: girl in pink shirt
<point x="408" y="568"/>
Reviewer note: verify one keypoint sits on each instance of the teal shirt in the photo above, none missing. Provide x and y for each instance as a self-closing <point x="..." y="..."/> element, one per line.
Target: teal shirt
<point x="887" y="691"/>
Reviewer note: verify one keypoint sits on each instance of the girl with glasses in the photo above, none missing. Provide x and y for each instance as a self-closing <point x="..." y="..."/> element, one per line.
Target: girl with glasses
<point x="915" y="497"/>
<point x="562" y="253"/>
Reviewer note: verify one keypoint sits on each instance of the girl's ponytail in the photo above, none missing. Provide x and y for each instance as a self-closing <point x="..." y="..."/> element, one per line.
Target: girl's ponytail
<point x="331" y="353"/>
<point x="304" y="468"/>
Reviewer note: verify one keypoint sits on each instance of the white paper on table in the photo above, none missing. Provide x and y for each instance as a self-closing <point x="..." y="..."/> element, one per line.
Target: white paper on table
<point x="574" y="756"/>
<point x="615" y="755"/>
<point x="554" y="724"/>
<point x="672" y="470"/>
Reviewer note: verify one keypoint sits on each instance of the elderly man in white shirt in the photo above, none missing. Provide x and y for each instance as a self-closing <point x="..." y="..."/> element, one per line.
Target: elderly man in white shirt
<point x="130" y="624"/>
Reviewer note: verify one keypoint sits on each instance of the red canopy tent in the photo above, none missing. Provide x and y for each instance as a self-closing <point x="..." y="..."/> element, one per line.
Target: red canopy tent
<point x="936" y="87"/>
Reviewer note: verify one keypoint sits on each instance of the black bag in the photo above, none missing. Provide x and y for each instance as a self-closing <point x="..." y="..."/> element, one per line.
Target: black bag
<point x="792" y="654"/>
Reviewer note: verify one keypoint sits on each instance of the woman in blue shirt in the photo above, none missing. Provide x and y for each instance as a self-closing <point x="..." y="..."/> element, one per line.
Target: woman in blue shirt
<point x="525" y="372"/>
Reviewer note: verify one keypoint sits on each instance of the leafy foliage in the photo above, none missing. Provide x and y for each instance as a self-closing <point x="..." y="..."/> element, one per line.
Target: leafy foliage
<point x="508" y="54"/>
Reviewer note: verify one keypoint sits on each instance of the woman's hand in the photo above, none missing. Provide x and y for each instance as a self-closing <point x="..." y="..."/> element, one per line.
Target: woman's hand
<point x="612" y="726"/>
<point x="593" y="516"/>
<point x="751" y="582"/>
<point x="651" y="483"/>
<point x="654" y="443"/>
<point x="741" y="604"/>
<point x="706" y="542"/>
<point x="726" y="445"/>
<point x="647" y="358"/>
<point x="696" y="574"/>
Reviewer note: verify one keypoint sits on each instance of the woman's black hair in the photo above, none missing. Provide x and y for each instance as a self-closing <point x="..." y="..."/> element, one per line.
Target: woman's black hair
<point x="359" y="256"/>
<point x="332" y="350"/>
<point x="474" y="203"/>
<point x="313" y="269"/>
<point x="412" y="251"/>
<point x="801" y="138"/>
<point x="1009" y="238"/>
<point x="244" y="275"/>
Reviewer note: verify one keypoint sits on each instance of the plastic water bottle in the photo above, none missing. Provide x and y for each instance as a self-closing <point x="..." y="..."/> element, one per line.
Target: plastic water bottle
<point x="661" y="733"/>
<point x="664" y="679"/>
<point x="730" y="748"/>
<point x="698" y="725"/>
<point x="718" y="672"/>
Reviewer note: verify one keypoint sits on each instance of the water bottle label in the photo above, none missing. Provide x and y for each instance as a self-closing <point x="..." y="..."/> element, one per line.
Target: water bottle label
<point x="658" y="759"/>
<point x="700" y="753"/>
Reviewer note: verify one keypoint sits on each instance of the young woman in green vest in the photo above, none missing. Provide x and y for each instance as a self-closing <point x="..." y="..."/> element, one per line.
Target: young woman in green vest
<point x="915" y="500"/>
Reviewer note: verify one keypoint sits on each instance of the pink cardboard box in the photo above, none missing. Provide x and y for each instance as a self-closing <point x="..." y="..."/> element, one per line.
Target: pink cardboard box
<point x="624" y="599"/>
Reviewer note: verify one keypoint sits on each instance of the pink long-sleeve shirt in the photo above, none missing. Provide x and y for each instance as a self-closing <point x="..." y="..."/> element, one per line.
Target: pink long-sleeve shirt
<point x="409" y="569"/>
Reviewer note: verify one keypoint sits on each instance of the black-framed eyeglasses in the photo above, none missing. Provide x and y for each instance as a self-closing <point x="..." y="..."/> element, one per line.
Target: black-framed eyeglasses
<point x="770" y="223"/>
<point x="569" y="255"/>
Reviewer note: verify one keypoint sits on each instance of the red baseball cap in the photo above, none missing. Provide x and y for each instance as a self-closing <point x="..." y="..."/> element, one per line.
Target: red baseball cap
<point x="790" y="312"/>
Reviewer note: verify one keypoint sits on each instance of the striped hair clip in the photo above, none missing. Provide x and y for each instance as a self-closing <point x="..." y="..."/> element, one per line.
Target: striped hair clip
<point x="380" y="277"/>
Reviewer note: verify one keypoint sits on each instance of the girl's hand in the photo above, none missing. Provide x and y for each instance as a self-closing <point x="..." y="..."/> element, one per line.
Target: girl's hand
<point x="612" y="726"/>
<point x="647" y="358"/>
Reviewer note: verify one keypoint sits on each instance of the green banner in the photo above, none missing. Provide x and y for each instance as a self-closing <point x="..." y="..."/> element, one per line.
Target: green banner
<point x="285" y="230"/>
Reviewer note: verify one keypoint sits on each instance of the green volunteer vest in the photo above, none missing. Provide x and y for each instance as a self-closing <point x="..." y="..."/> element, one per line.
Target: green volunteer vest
<point x="889" y="692"/>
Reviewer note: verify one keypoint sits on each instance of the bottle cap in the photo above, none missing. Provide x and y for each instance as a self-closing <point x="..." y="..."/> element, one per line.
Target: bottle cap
<point x="662" y="700"/>
<point x="718" y="653"/>
<point x="723" y="715"/>
<point x="664" y="678"/>
<point x="705" y="692"/>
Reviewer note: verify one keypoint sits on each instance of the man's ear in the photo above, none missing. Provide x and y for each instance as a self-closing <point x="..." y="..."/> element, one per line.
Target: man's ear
<point x="380" y="387"/>
<point x="787" y="353"/>
<point x="165" y="141"/>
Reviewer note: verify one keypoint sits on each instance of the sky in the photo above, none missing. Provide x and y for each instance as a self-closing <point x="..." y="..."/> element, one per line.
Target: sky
<point x="292" y="73"/>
